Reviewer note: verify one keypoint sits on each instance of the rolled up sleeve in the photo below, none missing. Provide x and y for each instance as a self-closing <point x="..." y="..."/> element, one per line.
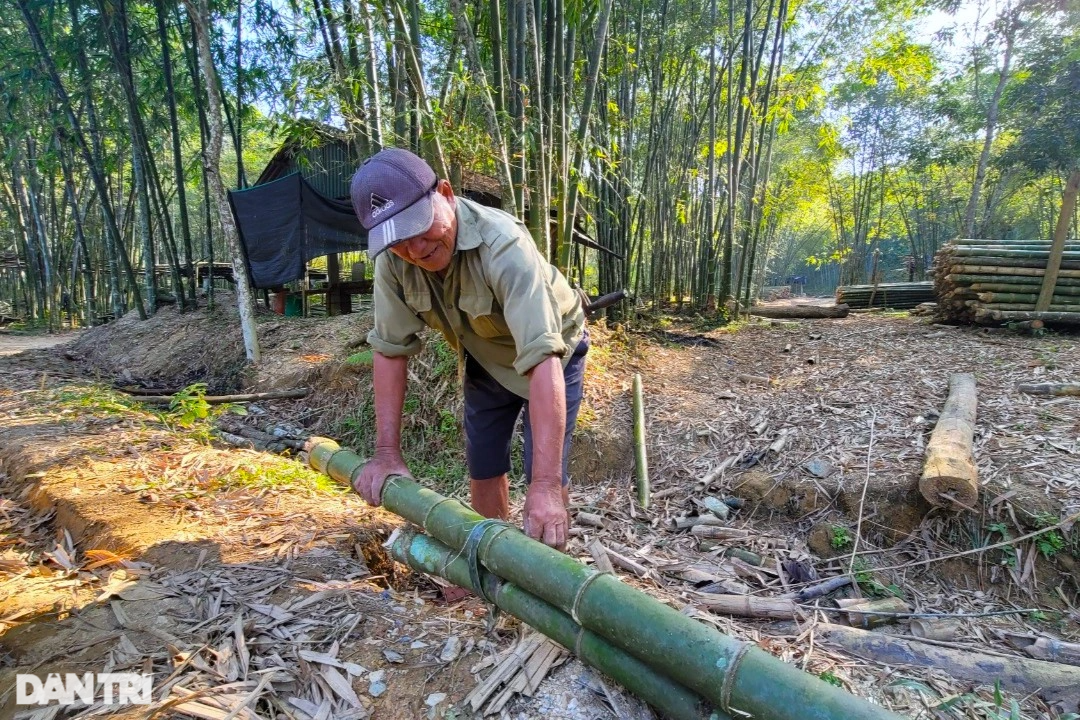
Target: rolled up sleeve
<point x="395" y="333"/>
<point x="522" y="284"/>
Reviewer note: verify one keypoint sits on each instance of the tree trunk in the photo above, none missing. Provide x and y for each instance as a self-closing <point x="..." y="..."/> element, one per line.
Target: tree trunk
<point x="95" y="171"/>
<point x="502" y="163"/>
<point x="200" y="22"/>
<point x="178" y="160"/>
<point x="991" y="126"/>
<point x="573" y="176"/>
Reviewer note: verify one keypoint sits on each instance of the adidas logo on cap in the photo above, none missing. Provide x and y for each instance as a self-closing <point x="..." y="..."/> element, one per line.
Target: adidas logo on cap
<point x="379" y="205"/>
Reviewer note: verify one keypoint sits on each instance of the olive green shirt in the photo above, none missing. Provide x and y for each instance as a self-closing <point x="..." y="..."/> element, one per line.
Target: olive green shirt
<point x="500" y="300"/>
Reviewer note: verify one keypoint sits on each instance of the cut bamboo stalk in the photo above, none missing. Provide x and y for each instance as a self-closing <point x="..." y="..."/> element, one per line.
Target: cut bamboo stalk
<point x="733" y="675"/>
<point x="641" y="460"/>
<point x="719" y="533"/>
<point x="1057" y="255"/>
<point x="1026" y="298"/>
<point x="961" y="278"/>
<point x="995" y="287"/>
<point x="1056" y="389"/>
<point x="950" y="478"/>
<point x="1069" y="308"/>
<point x="862" y="612"/>
<point x="751" y="606"/>
<point x="983" y="268"/>
<point x="970" y="251"/>
<point x="426" y="554"/>
<point x="1060" y="318"/>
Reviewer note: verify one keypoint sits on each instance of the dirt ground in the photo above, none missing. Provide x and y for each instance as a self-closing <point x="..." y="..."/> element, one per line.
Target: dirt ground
<point x="12" y="343"/>
<point x="131" y="541"/>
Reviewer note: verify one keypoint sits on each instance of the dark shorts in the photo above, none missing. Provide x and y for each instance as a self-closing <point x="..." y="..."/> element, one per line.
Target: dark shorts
<point x="491" y="413"/>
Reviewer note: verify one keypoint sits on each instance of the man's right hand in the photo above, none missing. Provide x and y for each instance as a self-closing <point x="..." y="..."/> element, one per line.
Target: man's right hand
<point x="369" y="483"/>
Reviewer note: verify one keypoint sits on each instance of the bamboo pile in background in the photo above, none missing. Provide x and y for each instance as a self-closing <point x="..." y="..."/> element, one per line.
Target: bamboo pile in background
<point x="994" y="282"/>
<point x="901" y="296"/>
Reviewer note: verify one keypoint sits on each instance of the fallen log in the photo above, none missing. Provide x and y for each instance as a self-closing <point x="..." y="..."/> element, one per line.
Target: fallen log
<point x="1056" y="389"/>
<point x="1055" y="683"/>
<point x="950" y="478"/>
<point x="807" y="312"/>
<point x="219" y="399"/>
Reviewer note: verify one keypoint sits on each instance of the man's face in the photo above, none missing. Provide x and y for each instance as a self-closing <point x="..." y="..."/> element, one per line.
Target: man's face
<point x="434" y="249"/>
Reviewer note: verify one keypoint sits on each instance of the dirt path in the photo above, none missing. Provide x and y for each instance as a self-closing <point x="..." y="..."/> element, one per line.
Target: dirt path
<point x="14" y="343"/>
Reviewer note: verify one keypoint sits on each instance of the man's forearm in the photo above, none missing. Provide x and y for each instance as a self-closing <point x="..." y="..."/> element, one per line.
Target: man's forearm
<point x="390" y="376"/>
<point x="547" y="416"/>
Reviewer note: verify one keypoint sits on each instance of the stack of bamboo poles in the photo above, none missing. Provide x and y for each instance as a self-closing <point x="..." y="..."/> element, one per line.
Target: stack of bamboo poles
<point x="993" y="282"/>
<point x="891" y="295"/>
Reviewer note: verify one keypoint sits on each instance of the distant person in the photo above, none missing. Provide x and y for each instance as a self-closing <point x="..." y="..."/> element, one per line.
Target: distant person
<point x="475" y="274"/>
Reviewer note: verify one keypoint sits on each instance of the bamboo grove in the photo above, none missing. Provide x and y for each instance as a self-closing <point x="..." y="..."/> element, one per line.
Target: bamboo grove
<point x="703" y="148"/>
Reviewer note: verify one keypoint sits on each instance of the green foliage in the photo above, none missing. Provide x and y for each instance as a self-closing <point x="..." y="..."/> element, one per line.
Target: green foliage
<point x="365" y="357"/>
<point x="189" y="405"/>
<point x="96" y="400"/>
<point x="840" y="537"/>
<point x="280" y="474"/>
<point x="831" y="678"/>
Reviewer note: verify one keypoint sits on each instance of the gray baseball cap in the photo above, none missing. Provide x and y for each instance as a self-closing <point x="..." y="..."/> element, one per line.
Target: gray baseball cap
<point x="392" y="197"/>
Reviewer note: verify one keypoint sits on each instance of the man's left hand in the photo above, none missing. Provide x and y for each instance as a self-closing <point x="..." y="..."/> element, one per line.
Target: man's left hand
<point x="545" y="514"/>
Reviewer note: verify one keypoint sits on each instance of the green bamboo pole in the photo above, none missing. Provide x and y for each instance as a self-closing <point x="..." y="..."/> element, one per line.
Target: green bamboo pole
<point x="736" y="677"/>
<point x="1026" y="254"/>
<point x="423" y="553"/>
<point x="1072" y="308"/>
<point x="1018" y="269"/>
<point x="641" y="460"/>
<point x="1021" y="297"/>
<point x="998" y="284"/>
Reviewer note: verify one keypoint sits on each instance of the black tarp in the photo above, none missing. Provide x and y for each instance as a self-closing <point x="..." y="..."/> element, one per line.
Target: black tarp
<point x="286" y="222"/>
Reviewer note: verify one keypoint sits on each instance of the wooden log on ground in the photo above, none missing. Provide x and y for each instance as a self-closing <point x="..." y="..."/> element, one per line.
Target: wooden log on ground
<point x="219" y="399"/>
<point x="1055" y="683"/>
<point x="1048" y="388"/>
<point x="1058" y="318"/>
<point x="751" y="606"/>
<point x="950" y="478"/>
<point x="809" y="312"/>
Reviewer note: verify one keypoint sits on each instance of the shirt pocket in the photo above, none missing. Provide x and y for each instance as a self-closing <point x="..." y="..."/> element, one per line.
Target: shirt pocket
<point x="417" y="294"/>
<point x="483" y="318"/>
